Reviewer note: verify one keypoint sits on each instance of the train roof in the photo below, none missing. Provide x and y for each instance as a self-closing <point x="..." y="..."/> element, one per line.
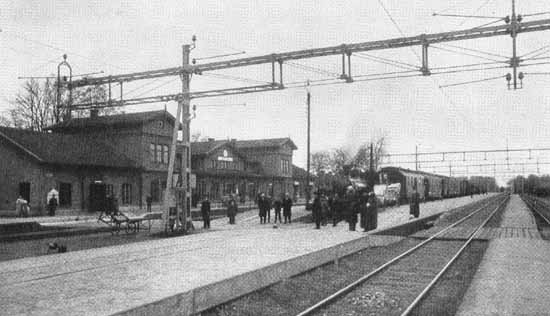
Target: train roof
<point x="413" y="172"/>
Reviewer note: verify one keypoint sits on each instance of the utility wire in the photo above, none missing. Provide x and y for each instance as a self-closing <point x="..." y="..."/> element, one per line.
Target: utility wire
<point x="223" y="76"/>
<point x="463" y="53"/>
<point x="156" y="87"/>
<point x="470" y="82"/>
<point x="60" y="49"/>
<point x="474" y="50"/>
<point x="384" y="61"/>
<point x="311" y="68"/>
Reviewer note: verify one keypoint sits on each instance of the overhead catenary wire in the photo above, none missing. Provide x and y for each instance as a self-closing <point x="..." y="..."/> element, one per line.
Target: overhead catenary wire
<point x="463" y="53"/>
<point x="231" y="77"/>
<point x="470" y="82"/>
<point x="311" y="68"/>
<point x="474" y="50"/>
<point x="383" y="61"/>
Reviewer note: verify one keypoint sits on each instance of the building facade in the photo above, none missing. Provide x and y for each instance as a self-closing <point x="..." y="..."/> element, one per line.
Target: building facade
<point x="127" y="155"/>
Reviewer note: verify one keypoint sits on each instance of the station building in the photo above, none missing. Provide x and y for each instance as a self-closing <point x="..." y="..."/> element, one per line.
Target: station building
<point x="127" y="155"/>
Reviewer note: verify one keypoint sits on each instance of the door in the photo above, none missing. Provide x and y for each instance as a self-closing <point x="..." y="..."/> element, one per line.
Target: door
<point x="25" y="190"/>
<point x="98" y="194"/>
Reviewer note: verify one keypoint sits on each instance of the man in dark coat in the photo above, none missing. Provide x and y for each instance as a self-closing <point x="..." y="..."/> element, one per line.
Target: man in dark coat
<point x="350" y="209"/>
<point x="149" y="201"/>
<point x="277" y="207"/>
<point x="287" y="208"/>
<point x="263" y="206"/>
<point x="372" y="213"/>
<point x="362" y="205"/>
<point x="336" y="210"/>
<point x="232" y="210"/>
<point x="414" y="205"/>
<point x="205" y="212"/>
<point x="316" y="208"/>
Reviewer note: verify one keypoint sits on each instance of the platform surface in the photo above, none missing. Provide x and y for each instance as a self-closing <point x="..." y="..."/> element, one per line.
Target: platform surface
<point x="514" y="275"/>
<point x="108" y="280"/>
<point x="512" y="279"/>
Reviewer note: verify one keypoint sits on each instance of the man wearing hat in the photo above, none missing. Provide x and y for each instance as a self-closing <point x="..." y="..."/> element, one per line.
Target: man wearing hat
<point x="372" y="213"/>
<point x="316" y="210"/>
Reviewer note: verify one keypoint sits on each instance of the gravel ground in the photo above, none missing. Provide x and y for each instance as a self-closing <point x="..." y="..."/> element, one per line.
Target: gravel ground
<point x="445" y="298"/>
<point x="291" y="296"/>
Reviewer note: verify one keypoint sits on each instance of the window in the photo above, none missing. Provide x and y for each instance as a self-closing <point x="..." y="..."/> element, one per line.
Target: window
<point x="165" y="153"/>
<point x="126" y="193"/>
<point x="109" y="190"/>
<point x="152" y="152"/>
<point x="158" y="153"/>
<point x="65" y="194"/>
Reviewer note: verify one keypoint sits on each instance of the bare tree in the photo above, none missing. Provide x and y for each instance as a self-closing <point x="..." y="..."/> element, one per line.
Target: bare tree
<point x="34" y="107"/>
<point x="320" y="162"/>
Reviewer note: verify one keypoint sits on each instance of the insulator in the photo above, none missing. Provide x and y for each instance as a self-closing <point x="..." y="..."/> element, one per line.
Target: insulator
<point x="508" y="77"/>
<point x="507" y="19"/>
<point x="519" y="18"/>
<point x="521" y="76"/>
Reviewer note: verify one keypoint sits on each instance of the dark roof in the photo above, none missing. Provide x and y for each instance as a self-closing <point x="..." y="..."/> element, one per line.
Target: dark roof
<point x="126" y="119"/>
<point x="412" y="172"/>
<point x="204" y="148"/>
<point x="66" y="149"/>
<point x="269" y="142"/>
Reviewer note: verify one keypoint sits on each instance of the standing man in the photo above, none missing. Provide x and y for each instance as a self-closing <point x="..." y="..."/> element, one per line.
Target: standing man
<point x="363" y="210"/>
<point x="277" y="207"/>
<point x="149" y="201"/>
<point x="232" y="210"/>
<point x="414" y="205"/>
<point x="262" y="205"/>
<point x="350" y="206"/>
<point x="287" y="207"/>
<point x="205" y="212"/>
<point x="316" y="208"/>
<point x="372" y="212"/>
<point x="336" y="209"/>
<point x="53" y="201"/>
<point x="268" y="208"/>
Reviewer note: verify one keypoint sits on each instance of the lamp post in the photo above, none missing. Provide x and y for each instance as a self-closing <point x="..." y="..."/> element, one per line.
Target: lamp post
<point x="308" y="141"/>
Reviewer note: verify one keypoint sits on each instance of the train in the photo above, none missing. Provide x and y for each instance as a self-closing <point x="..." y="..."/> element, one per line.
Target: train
<point x="433" y="186"/>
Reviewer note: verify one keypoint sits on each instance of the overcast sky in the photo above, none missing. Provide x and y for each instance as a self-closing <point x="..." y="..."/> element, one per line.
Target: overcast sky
<point x="126" y="36"/>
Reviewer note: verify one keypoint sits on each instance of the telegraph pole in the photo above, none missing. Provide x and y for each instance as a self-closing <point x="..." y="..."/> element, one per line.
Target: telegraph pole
<point x="308" y="141"/>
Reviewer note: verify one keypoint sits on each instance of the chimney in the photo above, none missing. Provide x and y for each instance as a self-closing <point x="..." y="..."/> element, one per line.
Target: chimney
<point x="211" y="139"/>
<point x="94" y="113"/>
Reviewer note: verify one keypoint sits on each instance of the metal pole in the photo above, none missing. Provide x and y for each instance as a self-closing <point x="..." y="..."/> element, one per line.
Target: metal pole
<point x="416" y="157"/>
<point x="371" y="169"/>
<point x="515" y="61"/>
<point x="186" y="160"/>
<point x="308" y="142"/>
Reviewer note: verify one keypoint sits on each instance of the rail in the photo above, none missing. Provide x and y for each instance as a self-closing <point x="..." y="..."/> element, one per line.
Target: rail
<point x="364" y="278"/>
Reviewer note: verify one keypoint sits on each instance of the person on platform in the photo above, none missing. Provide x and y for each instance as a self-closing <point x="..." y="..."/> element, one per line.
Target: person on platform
<point x="149" y="202"/>
<point x="336" y="209"/>
<point x="363" y="210"/>
<point x="52" y="200"/>
<point x="20" y="208"/>
<point x="325" y="210"/>
<point x="277" y="205"/>
<point x="350" y="208"/>
<point x="269" y="204"/>
<point x="205" y="212"/>
<point x="232" y="210"/>
<point x="287" y="208"/>
<point x="263" y="207"/>
<point x="414" y="205"/>
<point x="372" y="212"/>
<point x="316" y="208"/>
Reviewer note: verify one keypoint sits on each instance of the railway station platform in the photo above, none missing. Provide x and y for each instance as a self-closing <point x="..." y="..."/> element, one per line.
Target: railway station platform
<point x="182" y="275"/>
<point x="514" y="275"/>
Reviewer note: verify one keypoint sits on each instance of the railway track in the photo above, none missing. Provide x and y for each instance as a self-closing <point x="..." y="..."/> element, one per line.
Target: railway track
<point x="399" y="285"/>
<point x="541" y="210"/>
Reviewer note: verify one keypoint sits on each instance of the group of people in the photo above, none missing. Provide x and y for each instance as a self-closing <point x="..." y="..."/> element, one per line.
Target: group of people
<point x="346" y="207"/>
<point x="265" y="204"/>
<point x="23" y="207"/>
